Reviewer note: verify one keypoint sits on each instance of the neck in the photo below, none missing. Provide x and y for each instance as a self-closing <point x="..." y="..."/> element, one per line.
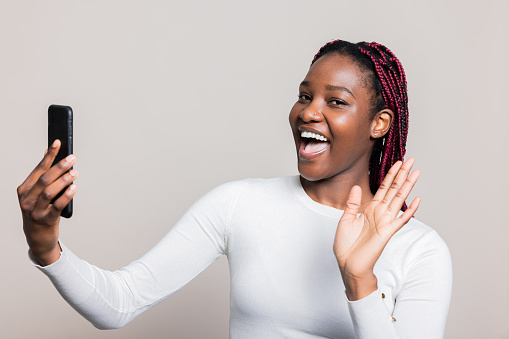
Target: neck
<point x="334" y="191"/>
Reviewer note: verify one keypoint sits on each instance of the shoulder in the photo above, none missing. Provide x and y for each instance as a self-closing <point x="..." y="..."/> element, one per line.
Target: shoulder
<point x="251" y="184"/>
<point x="254" y="188"/>
<point x="421" y="236"/>
<point x="269" y="185"/>
<point x="416" y="233"/>
<point x="416" y="244"/>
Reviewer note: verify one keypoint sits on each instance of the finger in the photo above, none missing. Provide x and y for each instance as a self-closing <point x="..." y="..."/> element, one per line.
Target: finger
<point x="353" y="204"/>
<point x="43" y="166"/>
<point x="386" y="183"/>
<point x="397" y="182"/>
<point x="405" y="217"/>
<point x="56" y="208"/>
<point x="50" y="192"/>
<point x="49" y="177"/>
<point x="403" y="192"/>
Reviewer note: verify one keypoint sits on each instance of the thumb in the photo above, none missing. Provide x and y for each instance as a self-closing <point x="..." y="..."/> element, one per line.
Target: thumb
<point x="353" y="204"/>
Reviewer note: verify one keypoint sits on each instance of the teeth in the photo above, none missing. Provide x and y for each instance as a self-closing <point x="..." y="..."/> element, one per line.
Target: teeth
<point x="313" y="135"/>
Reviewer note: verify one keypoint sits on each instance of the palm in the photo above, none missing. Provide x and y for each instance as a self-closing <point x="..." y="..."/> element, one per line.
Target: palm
<point x="361" y="239"/>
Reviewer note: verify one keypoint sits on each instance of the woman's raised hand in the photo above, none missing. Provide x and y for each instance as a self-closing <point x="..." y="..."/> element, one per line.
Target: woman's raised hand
<point x="40" y="216"/>
<point x="361" y="239"/>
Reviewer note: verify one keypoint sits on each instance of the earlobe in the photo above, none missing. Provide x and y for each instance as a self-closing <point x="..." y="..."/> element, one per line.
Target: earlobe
<point x="382" y="123"/>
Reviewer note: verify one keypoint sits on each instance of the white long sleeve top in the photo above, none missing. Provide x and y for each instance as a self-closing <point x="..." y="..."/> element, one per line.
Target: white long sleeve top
<point x="285" y="281"/>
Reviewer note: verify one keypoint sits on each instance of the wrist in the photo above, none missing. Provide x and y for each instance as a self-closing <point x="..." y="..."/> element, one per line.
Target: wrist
<point x="48" y="257"/>
<point x="359" y="288"/>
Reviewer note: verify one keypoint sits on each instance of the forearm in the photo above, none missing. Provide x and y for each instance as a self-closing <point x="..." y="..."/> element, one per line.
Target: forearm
<point x="102" y="297"/>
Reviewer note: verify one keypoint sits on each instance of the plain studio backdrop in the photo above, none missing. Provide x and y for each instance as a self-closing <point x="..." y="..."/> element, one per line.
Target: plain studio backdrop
<point x="172" y="98"/>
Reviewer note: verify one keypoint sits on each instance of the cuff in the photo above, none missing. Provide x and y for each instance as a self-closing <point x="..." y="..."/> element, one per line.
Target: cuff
<point x="370" y="317"/>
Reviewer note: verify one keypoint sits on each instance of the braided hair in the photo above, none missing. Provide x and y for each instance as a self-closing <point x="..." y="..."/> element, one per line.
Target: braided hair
<point x="389" y="90"/>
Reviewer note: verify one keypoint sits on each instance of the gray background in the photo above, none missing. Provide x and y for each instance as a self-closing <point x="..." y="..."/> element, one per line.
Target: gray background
<point x="173" y="98"/>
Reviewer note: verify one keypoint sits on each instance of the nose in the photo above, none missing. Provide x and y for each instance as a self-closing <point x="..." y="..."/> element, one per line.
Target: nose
<point x="311" y="114"/>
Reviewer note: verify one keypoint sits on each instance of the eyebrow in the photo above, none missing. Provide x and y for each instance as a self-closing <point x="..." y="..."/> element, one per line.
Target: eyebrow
<point x="338" y="88"/>
<point x="331" y="88"/>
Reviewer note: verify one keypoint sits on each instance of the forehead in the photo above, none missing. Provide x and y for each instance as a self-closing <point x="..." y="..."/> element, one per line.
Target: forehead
<point x="335" y="69"/>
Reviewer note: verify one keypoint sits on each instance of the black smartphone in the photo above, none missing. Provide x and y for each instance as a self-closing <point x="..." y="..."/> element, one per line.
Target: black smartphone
<point x="60" y="127"/>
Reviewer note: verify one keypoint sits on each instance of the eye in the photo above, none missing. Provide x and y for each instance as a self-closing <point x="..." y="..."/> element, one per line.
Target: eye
<point x="337" y="102"/>
<point x="304" y="97"/>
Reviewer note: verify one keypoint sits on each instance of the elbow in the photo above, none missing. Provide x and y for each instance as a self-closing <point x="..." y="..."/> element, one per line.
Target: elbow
<point x="107" y="321"/>
<point x="108" y="325"/>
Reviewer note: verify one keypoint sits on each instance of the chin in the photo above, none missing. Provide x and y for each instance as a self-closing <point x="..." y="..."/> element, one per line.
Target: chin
<point x="311" y="174"/>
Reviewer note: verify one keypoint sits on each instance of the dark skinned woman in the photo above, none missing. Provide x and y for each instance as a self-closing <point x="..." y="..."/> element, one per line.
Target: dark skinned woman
<point x="285" y="237"/>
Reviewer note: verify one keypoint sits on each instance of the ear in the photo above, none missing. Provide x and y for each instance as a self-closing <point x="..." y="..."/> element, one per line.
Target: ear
<point x="381" y="123"/>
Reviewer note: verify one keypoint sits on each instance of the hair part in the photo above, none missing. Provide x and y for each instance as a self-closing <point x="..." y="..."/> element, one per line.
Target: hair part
<point x="388" y="83"/>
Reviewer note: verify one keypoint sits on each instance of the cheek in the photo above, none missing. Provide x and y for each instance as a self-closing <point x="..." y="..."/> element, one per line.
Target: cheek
<point x="294" y="115"/>
<point x="294" y="110"/>
<point x="342" y="127"/>
<point x="347" y="129"/>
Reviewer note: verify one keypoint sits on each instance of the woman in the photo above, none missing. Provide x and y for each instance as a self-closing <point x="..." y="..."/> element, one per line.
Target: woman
<point x="282" y="236"/>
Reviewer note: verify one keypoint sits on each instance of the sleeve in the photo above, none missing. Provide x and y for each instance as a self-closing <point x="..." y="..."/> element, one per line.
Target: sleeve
<point x="421" y="307"/>
<point x="112" y="299"/>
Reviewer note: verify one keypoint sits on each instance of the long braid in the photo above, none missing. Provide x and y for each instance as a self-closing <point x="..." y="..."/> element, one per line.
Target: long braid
<point x="390" y="89"/>
<point x="392" y="76"/>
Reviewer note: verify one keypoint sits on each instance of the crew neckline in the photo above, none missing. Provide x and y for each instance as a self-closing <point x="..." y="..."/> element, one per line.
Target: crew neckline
<point x="316" y="207"/>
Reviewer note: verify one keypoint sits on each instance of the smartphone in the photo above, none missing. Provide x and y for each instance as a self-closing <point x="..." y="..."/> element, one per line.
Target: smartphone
<point x="60" y="127"/>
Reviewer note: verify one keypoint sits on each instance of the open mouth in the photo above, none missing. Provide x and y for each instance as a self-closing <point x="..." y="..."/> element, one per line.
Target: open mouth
<point x="312" y="145"/>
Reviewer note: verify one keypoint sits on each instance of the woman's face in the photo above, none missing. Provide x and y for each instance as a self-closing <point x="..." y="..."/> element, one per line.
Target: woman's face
<point x="334" y="103"/>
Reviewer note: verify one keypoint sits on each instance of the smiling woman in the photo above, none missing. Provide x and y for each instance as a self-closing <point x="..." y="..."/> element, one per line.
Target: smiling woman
<point x="285" y="237"/>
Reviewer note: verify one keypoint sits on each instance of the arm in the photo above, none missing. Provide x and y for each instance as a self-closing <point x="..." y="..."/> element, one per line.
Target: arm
<point x="111" y="299"/>
<point x="359" y="243"/>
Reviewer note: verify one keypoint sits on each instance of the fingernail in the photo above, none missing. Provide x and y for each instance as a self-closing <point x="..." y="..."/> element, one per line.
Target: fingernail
<point x="54" y="144"/>
<point x="73" y="173"/>
<point x="70" y="158"/>
<point x="72" y="188"/>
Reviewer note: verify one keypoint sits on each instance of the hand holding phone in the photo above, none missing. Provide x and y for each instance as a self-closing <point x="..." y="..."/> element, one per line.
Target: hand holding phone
<point x="37" y="195"/>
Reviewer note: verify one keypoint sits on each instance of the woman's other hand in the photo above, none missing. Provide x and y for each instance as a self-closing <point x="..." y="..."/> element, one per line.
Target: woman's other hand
<point x="361" y="239"/>
<point x="40" y="217"/>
